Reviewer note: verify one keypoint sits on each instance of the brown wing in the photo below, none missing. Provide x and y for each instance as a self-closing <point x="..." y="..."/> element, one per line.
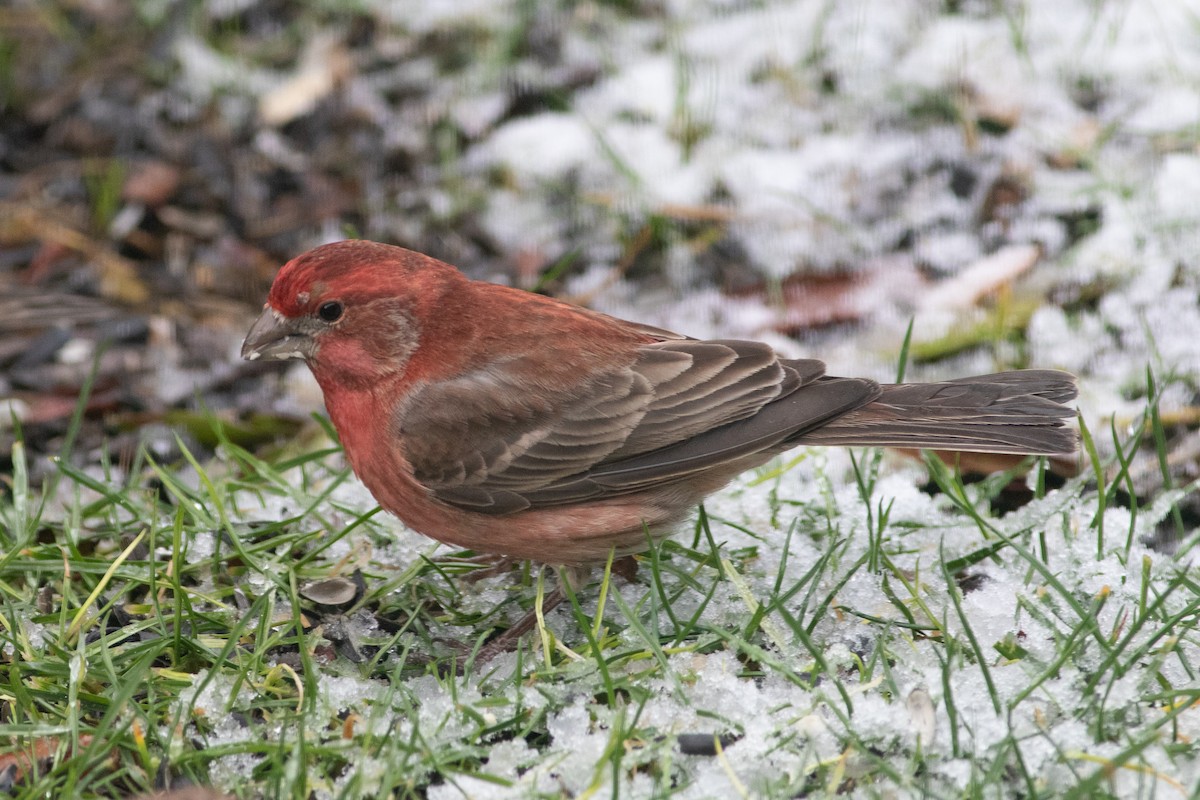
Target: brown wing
<point x="483" y="442"/>
<point x="771" y="430"/>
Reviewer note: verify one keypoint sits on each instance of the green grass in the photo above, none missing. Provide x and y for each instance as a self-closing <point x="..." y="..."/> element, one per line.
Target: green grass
<point x="810" y="633"/>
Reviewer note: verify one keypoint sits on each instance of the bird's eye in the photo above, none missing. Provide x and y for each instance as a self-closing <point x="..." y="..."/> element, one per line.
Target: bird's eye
<point x="331" y="311"/>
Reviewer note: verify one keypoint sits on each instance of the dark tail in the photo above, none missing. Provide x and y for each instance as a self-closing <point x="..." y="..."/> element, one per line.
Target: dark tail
<point x="1010" y="412"/>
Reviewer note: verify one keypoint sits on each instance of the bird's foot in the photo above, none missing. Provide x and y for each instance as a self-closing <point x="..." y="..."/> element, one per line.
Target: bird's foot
<point x="464" y="652"/>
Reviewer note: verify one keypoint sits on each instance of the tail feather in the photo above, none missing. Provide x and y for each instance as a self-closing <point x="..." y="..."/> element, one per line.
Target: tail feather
<point x="1022" y="412"/>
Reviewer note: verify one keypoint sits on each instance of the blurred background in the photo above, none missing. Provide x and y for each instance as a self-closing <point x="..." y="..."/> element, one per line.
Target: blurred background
<point x="1017" y="179"/>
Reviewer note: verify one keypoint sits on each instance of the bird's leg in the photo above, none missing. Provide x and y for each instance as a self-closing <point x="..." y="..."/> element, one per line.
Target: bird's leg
<point x="509" y="639"/>
<point x="490" y="564"/>
<point x="576" y="576"/>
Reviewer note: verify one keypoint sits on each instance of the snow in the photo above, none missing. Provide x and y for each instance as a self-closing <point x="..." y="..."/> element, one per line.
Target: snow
<point x="540" y="147"/>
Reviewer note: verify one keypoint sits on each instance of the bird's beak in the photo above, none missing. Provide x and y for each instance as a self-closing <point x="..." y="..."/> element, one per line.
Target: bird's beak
<point x="274" y="336"/>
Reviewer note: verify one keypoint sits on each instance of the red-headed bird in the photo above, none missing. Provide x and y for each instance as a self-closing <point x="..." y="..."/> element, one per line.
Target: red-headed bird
<point x="510" y="423"/>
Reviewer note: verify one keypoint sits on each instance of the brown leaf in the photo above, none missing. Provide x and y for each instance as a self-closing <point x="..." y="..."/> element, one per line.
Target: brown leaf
<point x="818" y="300"/>
<point x="16" y="765"/>
<point x="988" y="463"/>
<point x="152" y="183"/>
<point x="322" y="66"/>
<point x="983" y="278"/>
<point x="187" y="793"/>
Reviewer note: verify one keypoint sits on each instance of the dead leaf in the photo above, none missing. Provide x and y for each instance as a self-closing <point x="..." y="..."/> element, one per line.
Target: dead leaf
<point x="16" y="765"/>
<point x="323" y="64"/>
<point x="983" y="278"/>
<point x="187" y="793"/>
<point x="152" y="183"/>
<point x="818" y="300"/>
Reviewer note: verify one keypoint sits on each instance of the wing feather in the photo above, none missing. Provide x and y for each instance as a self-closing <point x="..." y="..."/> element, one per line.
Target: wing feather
<point x="485" y="443"/>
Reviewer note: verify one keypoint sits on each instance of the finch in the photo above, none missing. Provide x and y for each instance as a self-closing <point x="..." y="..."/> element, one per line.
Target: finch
<point x="514" y="424"/>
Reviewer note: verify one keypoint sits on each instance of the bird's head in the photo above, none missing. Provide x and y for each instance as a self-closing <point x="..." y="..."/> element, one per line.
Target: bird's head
<point x="351" y="309"/>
